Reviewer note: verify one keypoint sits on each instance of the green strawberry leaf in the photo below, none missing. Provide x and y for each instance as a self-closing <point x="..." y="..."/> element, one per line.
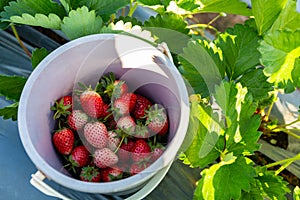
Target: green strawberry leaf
<point x="272" y="186"/>
<point x="81" y="22"/>
<point x="169" y="28"/>
<point x="280" y="52"/>
<point x="10" y="112"/>
<point x="134" y="21"/>
<point x="228" y="6"/>
<point x="51" y="21"/>
<point x="38" y="55"/>
<point x="104" y="8"/>
<point x="296" y="194"/>
<point x="226" y="180"/>
<point x="289" y="18"/>
<point x="32" y="7"/>
<point x="254" y="193"/>
<point x="200" y="66"/>
<point x="241" y="125"/>
<point x="11" y="86"/>
<point x="206" y="134"/>
<point x="170" y="21"/>
<point x="3" y="3"/>
<point x="256" y="83"/>
<point x="154" y="2"/>
<point x="266" y="13"/>
<point x="239" y="46"/>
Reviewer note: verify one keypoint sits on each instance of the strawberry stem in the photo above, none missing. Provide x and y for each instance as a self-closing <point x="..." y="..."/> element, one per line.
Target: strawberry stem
<point x="20" y="41"/>
<point x="118" y="147"/>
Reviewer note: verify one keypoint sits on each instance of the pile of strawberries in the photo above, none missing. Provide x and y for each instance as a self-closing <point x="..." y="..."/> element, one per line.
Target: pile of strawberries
<point x="108" y="133"/>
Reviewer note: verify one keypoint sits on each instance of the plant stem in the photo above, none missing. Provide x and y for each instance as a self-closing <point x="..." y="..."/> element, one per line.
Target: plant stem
<point x="20" y="41"/>
<point x="132" y="8"/>
<point x="203" y="26"/>
<point x="122" y="139"/>
<point x="281" y="162"/>
<point x="214" y="19"/>
<point x="289" y="124"/>
<point x="266" y="117"/>
<point x="287" y="131"/>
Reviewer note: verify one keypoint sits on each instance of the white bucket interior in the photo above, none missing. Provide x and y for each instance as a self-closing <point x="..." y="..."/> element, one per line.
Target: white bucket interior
<point x="143" y="67"/>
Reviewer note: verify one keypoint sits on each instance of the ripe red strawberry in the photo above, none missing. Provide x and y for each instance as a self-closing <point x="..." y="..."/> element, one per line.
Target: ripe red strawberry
<point x="157" y="120"/>
<point x="136" y="168"/>
<point x="77" y="119"/>
<point x="105" y="158"/>
<point x="62" y="107"/>
<point x="96" y="134"/>
<point x="91" y="103"/>
<point x="63" y="141"/>
<point x="140" y="151"/>
<point x="125" y="104"/>
<point x="79" y="157"/>
<point x="125" y="151"/>
<point x="113" y="140"/>
<point x="142" y="104"/>
<point x="127" y="124"/>
<point x="90" y="174"/>
<point x="106" y="112"/>
<point x="111" y="174"/>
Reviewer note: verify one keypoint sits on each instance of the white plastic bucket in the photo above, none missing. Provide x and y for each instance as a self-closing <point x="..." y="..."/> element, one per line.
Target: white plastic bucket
<point x="144" y="67"/>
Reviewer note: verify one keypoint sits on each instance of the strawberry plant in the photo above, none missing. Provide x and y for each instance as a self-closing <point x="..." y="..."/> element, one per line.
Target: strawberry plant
<point x="233" y="77"/>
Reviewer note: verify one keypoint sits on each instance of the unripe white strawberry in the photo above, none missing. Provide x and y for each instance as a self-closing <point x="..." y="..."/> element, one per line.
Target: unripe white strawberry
<point x="96" y="134"/>
<point x="105" y="158"/>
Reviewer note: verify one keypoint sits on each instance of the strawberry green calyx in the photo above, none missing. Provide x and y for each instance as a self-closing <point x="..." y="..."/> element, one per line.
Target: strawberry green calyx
<point x="62" y="107"/>
<point x="157" y="120"/>
<point x="90" y="174"/>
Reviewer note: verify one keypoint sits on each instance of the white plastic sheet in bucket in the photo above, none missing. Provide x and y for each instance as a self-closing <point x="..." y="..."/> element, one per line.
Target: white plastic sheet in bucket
<point x="86" y="59"/>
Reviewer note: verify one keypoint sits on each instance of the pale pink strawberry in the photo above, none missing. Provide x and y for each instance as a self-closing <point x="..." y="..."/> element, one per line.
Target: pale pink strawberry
<point x="127" y="124"/>
<point x="113" y="140"/>
<point x="77" y="119"/>
<point x="125" y="104"/>
<point x="156" y="153"/>
<point x="105" y="158"/>
<point x="91" y="103"/>
<point x="157" y="120"/>
<point x="96" y="134"/>
<point x="136" y="168"/>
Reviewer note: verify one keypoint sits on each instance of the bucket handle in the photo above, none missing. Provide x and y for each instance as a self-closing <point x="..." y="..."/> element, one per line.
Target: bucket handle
<point x="37" y="180"/>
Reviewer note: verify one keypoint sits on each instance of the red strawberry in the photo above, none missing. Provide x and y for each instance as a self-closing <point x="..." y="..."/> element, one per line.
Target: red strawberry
<point x="62" y="107"/>
<point x="127" y="124"/>
<point x="125" y="151"/>
<point x="90" y="174"/>
<point x="91" y="103"/>
<point x="105" y="158"/>
<point x="113" y="140"/>
<point x="125" y="104"/>
<point x="63" y="141"/>
<point x="96" y="134"/>
<point x="79" y="156"/>
<point x="140" y="151"/>
<point x="136" y="168"/>
<point x="111" y="174"/>
<point x="77" y="119"/>
<point x="106" y="111"/>
<point x="157" y="120"/>
<point x="142" y="104"/>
